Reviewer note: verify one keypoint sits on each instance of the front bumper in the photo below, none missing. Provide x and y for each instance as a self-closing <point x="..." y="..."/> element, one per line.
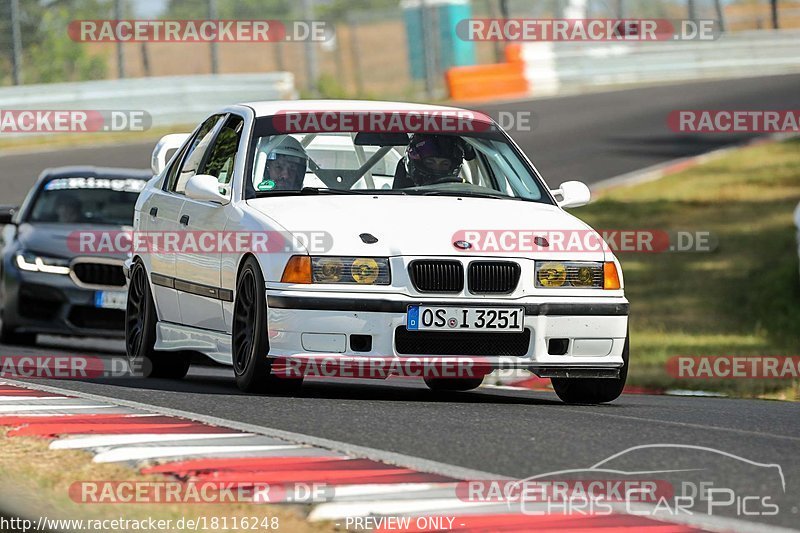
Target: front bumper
<point x="53" y="304"/>
<point x="588" y="333"/>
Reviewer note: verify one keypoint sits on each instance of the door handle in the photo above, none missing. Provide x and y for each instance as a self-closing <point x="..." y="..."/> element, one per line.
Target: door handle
<point x="185" y="220"/>
<point x="153" y="211"/>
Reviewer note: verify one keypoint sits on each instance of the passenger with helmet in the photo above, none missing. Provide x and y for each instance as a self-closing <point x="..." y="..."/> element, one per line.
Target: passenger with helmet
<point x="430" y="159"/>
<point x="286" y="164"/>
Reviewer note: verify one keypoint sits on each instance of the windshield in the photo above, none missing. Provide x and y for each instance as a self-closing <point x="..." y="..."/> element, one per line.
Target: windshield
<point x="396" y="163"/>
<point x="87" y="201"/>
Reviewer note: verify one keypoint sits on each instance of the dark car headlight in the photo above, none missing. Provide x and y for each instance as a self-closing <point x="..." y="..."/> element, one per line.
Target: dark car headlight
<point x="30" y="262"/>
<point x="325" y="269"/>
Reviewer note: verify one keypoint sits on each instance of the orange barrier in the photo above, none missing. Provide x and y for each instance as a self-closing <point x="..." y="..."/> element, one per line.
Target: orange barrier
<point x="483" y="82"/>
<point x="513" y="53"/>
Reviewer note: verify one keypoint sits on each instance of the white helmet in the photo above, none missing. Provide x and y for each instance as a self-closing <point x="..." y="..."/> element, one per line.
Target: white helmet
<point x="284" y="149"/>
<point x="289" y="147"/>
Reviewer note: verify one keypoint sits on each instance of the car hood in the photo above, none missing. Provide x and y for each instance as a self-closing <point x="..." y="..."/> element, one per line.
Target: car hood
<point x="417" y="225"/>
<point x="63" y="240"/>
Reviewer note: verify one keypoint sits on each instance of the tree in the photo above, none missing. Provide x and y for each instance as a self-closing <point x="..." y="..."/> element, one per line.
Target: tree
<point x="230" y="9"/>
<point x="48" y="53"/>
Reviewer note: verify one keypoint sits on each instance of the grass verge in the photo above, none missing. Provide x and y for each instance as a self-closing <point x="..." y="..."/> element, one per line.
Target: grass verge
<point x="741" y="299"/>
<point x="67" y="140"/>
<point x="35" y="481"/>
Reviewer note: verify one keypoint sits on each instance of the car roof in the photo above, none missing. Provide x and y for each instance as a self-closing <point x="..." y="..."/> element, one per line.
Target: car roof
<point x="272" y="107"/>
<point x="89" y="171"/>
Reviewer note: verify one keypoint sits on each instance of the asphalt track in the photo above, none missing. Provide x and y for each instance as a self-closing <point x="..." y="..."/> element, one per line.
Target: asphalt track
<point x="504" y="432"/>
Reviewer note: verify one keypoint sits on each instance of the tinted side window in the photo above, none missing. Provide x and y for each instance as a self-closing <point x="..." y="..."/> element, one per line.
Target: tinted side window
<point x="194" y="155"/>
<point x="222" y="156"/>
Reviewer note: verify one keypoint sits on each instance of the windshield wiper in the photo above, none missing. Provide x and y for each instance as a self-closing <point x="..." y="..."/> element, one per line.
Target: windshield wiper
<point x="325" y="190"/>
<point x="497" y="196"/>
<point x="307" y="191"/>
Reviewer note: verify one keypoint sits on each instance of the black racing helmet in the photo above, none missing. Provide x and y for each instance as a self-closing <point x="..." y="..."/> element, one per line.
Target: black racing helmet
<point x="432" y="158"/>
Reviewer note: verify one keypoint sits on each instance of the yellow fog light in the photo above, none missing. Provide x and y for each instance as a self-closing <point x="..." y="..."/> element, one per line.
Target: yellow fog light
<point x="365" y="270"/>
<point x="552" y="275"/>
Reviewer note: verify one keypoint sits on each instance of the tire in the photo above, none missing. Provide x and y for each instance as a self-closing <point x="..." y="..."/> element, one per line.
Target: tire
<point x="9" y="335"/>
<point x="140" y="333"/>
<point x="459" y="385"/>
<point x="594" y="390"/>
<point x="249" y="336"/>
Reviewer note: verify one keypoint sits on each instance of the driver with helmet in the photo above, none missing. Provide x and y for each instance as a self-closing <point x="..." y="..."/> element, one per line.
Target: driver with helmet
<point x="430" y="159"/>
<point x="286" y="166"/>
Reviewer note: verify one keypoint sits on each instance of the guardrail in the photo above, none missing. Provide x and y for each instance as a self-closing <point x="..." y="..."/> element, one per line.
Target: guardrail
<point x="172" y="100"/>
<point x="555" y="67"/>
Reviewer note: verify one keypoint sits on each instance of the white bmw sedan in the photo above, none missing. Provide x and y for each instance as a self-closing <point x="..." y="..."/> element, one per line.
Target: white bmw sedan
<point x="369" y="230"/>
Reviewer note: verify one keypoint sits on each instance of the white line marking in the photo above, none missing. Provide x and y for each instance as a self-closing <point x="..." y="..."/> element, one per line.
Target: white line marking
<point x="138" y="453"/>
<point x="392" y="491"/>
<point x="11" y="409"/>
<point x="760" y="434"/>
<point x="97" y="441"/>
<point x="334" y="511"/>
<point x="12" y="399"/>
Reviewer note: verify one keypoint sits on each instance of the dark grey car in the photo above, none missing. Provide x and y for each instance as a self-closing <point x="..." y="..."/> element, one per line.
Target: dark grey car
<point x="49" y="281"/>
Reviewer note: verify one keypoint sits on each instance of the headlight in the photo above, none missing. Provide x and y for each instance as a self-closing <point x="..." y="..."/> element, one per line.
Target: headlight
<point x="360" y="270"/>
<point x="35" y="263"/>
<point x="327" y="270"/>
<point x="353" y="270"/>
<point x="570" y="274"/>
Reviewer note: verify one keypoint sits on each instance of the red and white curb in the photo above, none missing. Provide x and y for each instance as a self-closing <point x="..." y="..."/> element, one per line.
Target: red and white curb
<point x="194" y="448"/>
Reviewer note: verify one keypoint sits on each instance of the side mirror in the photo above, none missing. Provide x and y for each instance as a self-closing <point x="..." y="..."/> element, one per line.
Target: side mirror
<point x="173" y="141"/>
<point x="205" y="188"/>
<point x="573" y="194"/>
<point x="7" y="214"/>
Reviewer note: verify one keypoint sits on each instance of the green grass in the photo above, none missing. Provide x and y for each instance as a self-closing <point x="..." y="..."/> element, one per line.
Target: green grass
<point x="65" y="140"/>
<point x="741" y="299"/>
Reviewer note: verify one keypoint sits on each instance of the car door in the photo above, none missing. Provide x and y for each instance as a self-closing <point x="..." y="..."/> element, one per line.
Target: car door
<point x="161" y="218"/>
<point x="198" y="271"/>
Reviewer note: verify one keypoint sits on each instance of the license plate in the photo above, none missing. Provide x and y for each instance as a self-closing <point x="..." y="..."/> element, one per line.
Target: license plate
<point x="110" y="299"/>
<point x="500" y="319"/>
